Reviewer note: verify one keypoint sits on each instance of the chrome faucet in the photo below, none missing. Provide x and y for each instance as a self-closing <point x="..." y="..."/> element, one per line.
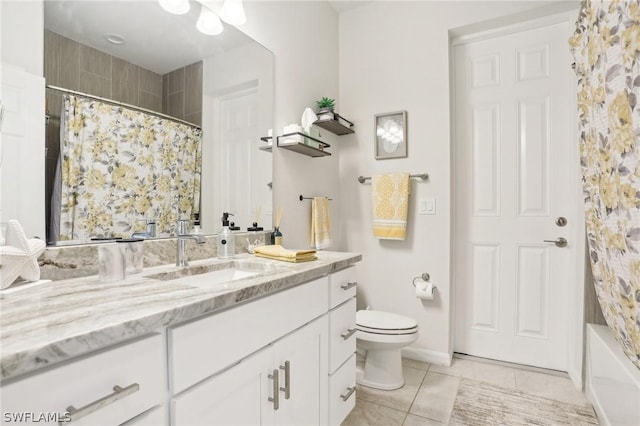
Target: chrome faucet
<point x="150" y="231"/>
<point x="182" y="237"/>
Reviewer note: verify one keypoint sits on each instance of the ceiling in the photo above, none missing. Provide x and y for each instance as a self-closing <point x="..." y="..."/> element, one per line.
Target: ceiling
<point x="342" y="5"/>
<point x="154" y="39"/>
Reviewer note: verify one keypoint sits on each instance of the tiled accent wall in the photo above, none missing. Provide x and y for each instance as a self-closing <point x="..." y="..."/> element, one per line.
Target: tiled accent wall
<point x="182" y="93"/>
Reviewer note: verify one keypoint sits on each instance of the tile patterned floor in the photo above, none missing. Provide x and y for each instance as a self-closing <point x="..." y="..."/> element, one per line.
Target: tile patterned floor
<point x="430" y="391"/>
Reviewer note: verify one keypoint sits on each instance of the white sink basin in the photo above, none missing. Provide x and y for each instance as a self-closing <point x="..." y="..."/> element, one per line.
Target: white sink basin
<point x="218" y="275"/>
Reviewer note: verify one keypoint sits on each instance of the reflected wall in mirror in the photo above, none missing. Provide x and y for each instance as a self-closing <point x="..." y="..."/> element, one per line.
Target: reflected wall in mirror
<point x="223" y="83"/>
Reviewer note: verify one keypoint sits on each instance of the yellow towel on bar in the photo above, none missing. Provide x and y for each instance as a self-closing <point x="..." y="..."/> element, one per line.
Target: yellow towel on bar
<point x="320" y="223"/>
<point x="278" y="252"/>
<point x="390" y="199"/>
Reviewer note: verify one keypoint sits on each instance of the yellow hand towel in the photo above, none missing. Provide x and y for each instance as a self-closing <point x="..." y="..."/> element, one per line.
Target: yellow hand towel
<point x="320" y="223"/>
<point x="278" y="252"/>
<point x="390" y="199"/>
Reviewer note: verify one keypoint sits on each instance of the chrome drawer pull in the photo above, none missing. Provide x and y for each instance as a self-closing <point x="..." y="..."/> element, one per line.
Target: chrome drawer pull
<point x="287" y="379"/>
<point x="118" y="393"/>
<point x="347" y="286"/>
<point x="276" y="389"/>
<point x="350" y="391"/>
<point x="350" y="332"/>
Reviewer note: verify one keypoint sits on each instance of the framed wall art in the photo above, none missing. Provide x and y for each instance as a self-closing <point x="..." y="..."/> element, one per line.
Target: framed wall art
<point x="390" y="135"/>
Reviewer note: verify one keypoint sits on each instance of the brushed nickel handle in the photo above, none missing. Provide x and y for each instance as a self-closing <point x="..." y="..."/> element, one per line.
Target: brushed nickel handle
<point x="118" y="393"/>
<point x="347" y="395"/>
<point x="276" y="390"/>
<point x="287" y="379"/>
<point x="560" y="242"/>
<point x="349" y="285"/>
<point x="350" y="332"/>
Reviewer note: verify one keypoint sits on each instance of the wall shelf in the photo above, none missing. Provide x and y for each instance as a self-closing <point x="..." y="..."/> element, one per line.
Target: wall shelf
<point x="303" y="148"/>
<point x="267" y="148"/>
<point x="339" y="125"/>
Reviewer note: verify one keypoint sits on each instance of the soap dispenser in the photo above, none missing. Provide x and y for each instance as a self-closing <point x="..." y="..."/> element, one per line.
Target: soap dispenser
<point x="226" y="239"/>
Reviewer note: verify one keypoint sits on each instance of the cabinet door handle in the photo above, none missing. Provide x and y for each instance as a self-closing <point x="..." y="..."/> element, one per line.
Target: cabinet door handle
<point x="287" y="379"/>
<point x="347" y="395"/>
<point x="118" y="393"/>
<point x="349" y="285"/>
<point x="276" y="390"/>
<point x="350" y="332"/>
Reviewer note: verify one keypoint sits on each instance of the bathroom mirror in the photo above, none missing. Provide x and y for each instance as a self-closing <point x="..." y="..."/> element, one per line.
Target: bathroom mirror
<point x="137" y="53"/>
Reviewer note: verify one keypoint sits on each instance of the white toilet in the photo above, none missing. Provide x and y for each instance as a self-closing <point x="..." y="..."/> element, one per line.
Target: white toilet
<point x="383" y="335"/>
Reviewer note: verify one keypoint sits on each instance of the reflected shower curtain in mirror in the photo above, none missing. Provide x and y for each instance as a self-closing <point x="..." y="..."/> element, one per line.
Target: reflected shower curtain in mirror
<point x="120" y="166"/>
<point x="606" y="47"/>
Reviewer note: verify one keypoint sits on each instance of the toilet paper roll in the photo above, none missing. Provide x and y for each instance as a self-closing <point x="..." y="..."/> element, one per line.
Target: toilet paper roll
<point x="424" y="291"/>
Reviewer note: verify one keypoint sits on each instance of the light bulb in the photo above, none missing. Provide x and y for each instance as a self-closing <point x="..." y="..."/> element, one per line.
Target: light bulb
<point x="208" y="22"/>
<point x="233" y="12"/>
<point x="177" y="7"/>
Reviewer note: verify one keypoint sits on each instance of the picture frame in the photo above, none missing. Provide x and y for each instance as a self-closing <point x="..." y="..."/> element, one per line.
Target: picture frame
<point x="390" y="133"/>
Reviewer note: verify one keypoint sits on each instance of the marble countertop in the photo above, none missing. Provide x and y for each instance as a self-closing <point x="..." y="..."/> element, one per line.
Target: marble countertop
<point x="47" y="323"/>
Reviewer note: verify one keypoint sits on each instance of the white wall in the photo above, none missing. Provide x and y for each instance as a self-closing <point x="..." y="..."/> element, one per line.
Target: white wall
<point x="395" y="56"/>
<point x="22" y="35"/>
<point x="303" y="35"/>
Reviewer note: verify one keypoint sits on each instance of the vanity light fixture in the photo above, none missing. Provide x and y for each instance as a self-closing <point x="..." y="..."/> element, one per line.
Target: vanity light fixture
<point x="177" y="7"/>
<point x="208" y="22"/>
<point x="233" y="12"/>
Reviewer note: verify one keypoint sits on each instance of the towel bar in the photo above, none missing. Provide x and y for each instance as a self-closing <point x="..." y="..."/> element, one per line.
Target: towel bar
<point x="423" y="176"/>
<point x="311" y="198"/>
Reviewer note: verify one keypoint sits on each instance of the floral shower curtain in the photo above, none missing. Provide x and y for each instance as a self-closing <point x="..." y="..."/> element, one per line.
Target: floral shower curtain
<point x="606" y="48"/>
<point x="121" y="166"/>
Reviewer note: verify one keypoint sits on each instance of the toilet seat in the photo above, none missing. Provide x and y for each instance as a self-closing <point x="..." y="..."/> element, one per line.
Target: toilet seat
<point x="385" y="323"/>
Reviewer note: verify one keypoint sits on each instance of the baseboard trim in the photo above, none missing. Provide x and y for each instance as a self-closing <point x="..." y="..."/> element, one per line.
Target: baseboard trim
<point x="425" y="355"/>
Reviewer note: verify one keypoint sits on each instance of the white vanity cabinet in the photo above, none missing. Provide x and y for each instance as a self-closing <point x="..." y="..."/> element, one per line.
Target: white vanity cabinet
<point x="238" y="358"/>
<point x="278" y="385"/>
<point x="342" y="344"/>
<point x="107" y="388"/>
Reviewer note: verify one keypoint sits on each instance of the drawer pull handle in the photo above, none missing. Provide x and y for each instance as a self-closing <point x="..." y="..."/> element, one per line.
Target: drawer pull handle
<point x="287" y="379"/>
<point x="276" y="389"/>
<point x="347" y="286"/>
<point x="118" y="393"/>
<point x="350" y="392"/>
<point x="350" y="332"/>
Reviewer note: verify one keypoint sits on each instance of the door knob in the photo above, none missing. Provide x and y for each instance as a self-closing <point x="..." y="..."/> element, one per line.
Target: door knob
<point x="560" y="242"/>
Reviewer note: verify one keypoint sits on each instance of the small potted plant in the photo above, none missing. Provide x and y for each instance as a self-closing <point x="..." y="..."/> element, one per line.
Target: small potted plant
<point x="325" y="108"/>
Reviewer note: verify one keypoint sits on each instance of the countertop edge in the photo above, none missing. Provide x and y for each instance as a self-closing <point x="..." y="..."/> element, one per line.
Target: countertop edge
<point x="18" y="363"/>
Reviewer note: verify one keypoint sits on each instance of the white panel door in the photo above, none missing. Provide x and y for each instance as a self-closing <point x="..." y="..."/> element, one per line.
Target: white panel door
<point x="22" y="150"/>
<point x="239" y="137"/>
<point x="512" y="181"/>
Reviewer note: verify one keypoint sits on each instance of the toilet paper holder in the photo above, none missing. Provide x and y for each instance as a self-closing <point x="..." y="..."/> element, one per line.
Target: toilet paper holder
<point x="425" y="291"/>
<point x="424" y="277"/>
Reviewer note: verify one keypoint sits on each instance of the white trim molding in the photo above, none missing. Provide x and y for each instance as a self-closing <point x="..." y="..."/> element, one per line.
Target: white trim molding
<point x="426" y="355"/>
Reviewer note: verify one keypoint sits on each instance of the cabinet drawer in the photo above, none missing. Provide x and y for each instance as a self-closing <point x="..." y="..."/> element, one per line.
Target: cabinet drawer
<point x="153" y="417"/>
<point x="342" y="395"/>
<point x="342" y="334"/>
<point x="342" y="286"/>
<point x="136" y="367"/>
<point x="206" y="346"/>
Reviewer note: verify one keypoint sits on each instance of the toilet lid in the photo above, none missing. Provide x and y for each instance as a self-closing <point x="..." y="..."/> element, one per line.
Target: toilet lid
<point x="379" y="320"/>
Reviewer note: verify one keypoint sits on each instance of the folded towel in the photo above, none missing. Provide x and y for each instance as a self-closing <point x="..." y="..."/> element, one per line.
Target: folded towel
<point x="320" y="223"/>
<point x="390" y="199"/>
<point x="278" y="252"/>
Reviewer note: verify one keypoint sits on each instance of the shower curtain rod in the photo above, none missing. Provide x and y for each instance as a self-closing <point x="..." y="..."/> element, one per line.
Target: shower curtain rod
<point x="112" y="102"/>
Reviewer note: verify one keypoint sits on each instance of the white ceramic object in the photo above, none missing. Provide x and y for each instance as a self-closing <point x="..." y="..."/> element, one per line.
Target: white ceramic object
<point x="19" y="257"/>
<point x="383" y="335"/>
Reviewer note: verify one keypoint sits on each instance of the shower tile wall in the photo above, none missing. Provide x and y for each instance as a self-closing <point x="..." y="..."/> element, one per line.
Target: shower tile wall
<point x="73" y="65"/>
<point x="182" y="93"/>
